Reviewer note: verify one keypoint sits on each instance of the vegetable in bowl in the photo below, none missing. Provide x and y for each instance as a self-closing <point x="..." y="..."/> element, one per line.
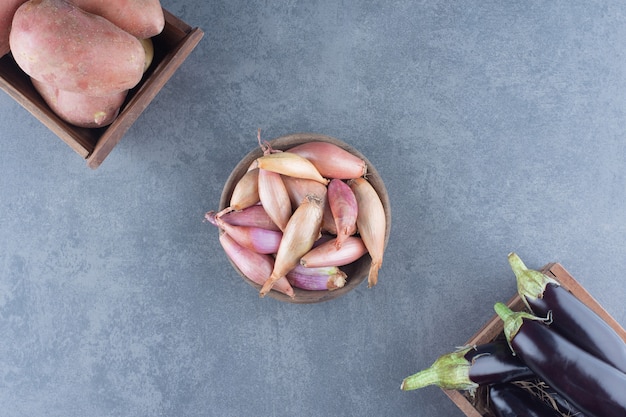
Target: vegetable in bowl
<point x="304" y="184"/>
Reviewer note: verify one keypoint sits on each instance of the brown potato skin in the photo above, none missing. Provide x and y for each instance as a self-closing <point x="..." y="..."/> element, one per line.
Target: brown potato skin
<point x="55" y="42"/>
<point x="7" y="10"/>
<point x="141" y="18"/>
<point x="79" y="109"/>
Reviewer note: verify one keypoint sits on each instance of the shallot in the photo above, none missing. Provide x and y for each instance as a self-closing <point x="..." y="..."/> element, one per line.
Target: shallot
<point x="245" y="192"/>
<point x="302" y="230"/>
<point x="298" y="188"/>
<point x="343" y="205"/>
<point x="331" y="160"/>
<point x="251" y="216"/>
<point x="274" y="197"/>
<point x="254" y="266"/>
<point x="327" y="254"/>
<point x="371" y="224"/>
<point x="254" y="238"/>
<point x="328" y="221"/>
<point x="290" y="164"/>
<point x="280" y="207"/>
<point x="317" y="279"/>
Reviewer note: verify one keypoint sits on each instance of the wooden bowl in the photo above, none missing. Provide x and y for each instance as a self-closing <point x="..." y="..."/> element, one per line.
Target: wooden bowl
<point x="356" y="271"/>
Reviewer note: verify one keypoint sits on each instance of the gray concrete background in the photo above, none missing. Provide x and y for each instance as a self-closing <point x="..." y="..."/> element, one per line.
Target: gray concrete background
<point x="497" y="127"/>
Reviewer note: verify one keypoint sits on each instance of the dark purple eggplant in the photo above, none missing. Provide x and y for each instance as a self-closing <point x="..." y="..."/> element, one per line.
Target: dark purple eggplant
<point x="570" y="316"/>
<point x="494" y="362"/>
<point x="469" y="367"/>
<point x="509" y="400"/>
<point x="562" y="404"/>
<point x="592" y="385"/>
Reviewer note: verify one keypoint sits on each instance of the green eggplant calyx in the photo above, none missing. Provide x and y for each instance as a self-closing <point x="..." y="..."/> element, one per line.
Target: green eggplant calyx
<point x="530" y="283"/>
<point x="513" y="320"/>
<point x="449" y="371"/>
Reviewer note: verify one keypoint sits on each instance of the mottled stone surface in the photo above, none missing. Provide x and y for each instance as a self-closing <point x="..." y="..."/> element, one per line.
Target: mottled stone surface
<point x="497" y="127"/>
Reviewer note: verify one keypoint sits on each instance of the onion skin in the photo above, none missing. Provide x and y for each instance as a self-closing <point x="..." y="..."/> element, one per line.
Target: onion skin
<point x="327" y="254"/>
<point x="255" y="216"/>
<point x="290" y="164"/>
<point x="299" y="188"/>
<point x="328" y="221"/>
<point x="254" y="266"/>
<point x="245" y="194"/>
<point x="302" y="230"/>
<point x="254" y="238"/>
<point x="343" y="206"/>
<point x="331" y="160"/>
<point x="317" y="279"/>
<point x="274" y="197"/>
<point x="371" y="224"/>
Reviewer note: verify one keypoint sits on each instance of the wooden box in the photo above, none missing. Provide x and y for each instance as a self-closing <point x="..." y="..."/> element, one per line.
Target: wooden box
<point x="471" y="406"/>
<point x="171" y="48"/>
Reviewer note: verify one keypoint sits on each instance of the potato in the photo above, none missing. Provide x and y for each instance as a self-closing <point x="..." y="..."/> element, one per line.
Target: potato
<point x="79" y="109"/>
<point x="7" y="10"/>
<point x="55" y="42"/>
<point x="141" y="18"/>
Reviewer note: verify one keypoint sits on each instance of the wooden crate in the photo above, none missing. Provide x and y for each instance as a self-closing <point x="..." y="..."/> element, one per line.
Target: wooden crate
<point x="171" y="47"/>
<point x="494" y="328"/>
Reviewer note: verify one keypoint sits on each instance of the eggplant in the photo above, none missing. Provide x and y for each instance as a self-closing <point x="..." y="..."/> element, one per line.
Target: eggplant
<point x="469" y="367"/>
<point x="592" y="385"/>
<point x="570" y="316"/>
<point x="565" y="407"/>
<point x="509" y="400"/>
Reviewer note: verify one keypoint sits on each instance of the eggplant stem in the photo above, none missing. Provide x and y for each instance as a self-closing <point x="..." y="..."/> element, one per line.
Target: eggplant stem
<point x="530" y="283"/>
<point x="513" y="320"/>
<point x="449" y="371"/>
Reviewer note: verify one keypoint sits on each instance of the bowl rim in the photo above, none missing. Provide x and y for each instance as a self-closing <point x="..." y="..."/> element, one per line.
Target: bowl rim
<point x="359" y="274"/>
